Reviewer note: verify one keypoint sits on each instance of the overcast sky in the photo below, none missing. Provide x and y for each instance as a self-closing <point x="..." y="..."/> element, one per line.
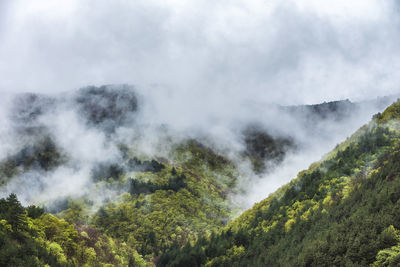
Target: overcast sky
<point x="206" y="66"/>
<point x="289" y="52"/>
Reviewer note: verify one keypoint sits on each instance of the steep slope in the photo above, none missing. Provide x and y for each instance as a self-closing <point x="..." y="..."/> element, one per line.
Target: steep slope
<point x="173" y="204"/>
<point x="152" y="205"/>
<point x="342" y="211"/>
<point x="31" y="237"/>
<point x="136" y="202"/>
<point x="146" y="203"/>
<point x="266" y="150"/>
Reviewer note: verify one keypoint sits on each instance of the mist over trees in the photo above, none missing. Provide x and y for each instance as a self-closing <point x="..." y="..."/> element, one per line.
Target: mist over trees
<point x="124" y="203"/>
<point x="199" y="133"/>
<point x="341" y="211"/>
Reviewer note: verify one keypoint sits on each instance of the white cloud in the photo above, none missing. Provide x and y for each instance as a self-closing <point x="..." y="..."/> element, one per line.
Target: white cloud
<point x="296" y="52"/>
<point x="201" y="66"/>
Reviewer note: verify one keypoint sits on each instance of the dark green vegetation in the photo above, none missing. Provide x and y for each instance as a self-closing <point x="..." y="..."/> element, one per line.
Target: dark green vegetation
<point x="342" y="211"/>
<point x="175" y="182"/>
<point x="157" y="204"/>
<point x="106" y="170"/>
<point x="30" y="237"/>
<point x="176" y="211"/>
<point x="261" y="147"/>
<point x="107" y="107"/>
<point x="146" y="204"/>
<point x="43" y="154"/>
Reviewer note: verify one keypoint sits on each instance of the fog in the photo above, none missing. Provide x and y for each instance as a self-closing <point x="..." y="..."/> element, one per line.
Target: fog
<point x="84" y="129"/>
<point x="199" y="69"/>
<point x="292" y="52"/>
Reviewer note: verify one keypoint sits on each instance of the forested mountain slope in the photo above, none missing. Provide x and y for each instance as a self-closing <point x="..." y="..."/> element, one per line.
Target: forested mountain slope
<point x="132" y="206"/>
<point x="155" y="205"/>
<point x="102" y="199"/>
<point x="342" y="211"/>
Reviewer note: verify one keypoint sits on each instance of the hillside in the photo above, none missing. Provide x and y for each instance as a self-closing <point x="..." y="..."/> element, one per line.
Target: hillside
<point x="129" y="206"/>
<point x="342" y="211"/>
<point x="154" y="205"/>
<point x="199" y="133"/>
<point x="81" y="161"/>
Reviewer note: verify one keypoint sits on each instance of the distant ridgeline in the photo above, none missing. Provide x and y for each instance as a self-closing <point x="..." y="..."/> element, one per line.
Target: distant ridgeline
<point x="342" y="211"/>
<point x="264" y="149"/>
<point x="176" y="211"/>
<point x="336" y="110"/>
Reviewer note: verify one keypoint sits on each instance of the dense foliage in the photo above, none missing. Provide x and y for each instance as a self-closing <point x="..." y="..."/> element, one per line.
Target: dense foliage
<point x="172" y="205"/>
<point x="261" y="147"/>
<point x="343" y="211"/>
<point x="156" y="206"/>
<point x="30" y="237"/>
<point x="42" y="154"/>
<point x="107" y="106"/>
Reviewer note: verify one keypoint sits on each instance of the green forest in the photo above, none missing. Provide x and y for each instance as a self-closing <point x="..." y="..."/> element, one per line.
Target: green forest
<point x="199" y="133"/>
<point x="342" y="211"/>
<point x="159" y="205"/>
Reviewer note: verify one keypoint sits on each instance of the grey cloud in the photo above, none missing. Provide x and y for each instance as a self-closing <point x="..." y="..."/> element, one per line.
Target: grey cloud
<point x="271" y="52"/>
<point x="203" y="68"/>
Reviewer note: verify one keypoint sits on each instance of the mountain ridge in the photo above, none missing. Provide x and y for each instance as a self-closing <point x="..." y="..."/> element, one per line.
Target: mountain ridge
<point x="133" y="207"/>
<point x="295" y="226"/>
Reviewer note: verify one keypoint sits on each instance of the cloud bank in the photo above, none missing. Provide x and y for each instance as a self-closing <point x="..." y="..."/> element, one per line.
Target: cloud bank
<point x="200" y="69"/>
<point x="291" y="52"/>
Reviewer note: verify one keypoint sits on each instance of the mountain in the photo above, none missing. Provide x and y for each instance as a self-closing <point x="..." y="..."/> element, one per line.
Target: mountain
<point x="316" y="120"/>
<point x="160" y="204"/>
<point x="129" y="208"/>
<point x="342" y="211"/>
<point x="87" y="179"/>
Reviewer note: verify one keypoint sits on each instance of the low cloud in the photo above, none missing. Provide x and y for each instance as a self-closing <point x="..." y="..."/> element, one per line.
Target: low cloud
<point x="200" y="51"/>
<point x="74" y="139"/>
<point x="200" y="69"/>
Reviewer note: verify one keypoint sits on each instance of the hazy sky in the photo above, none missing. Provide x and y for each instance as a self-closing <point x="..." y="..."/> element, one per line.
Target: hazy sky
<point x="267" y="51"/>
<point x="199" y="67"/>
